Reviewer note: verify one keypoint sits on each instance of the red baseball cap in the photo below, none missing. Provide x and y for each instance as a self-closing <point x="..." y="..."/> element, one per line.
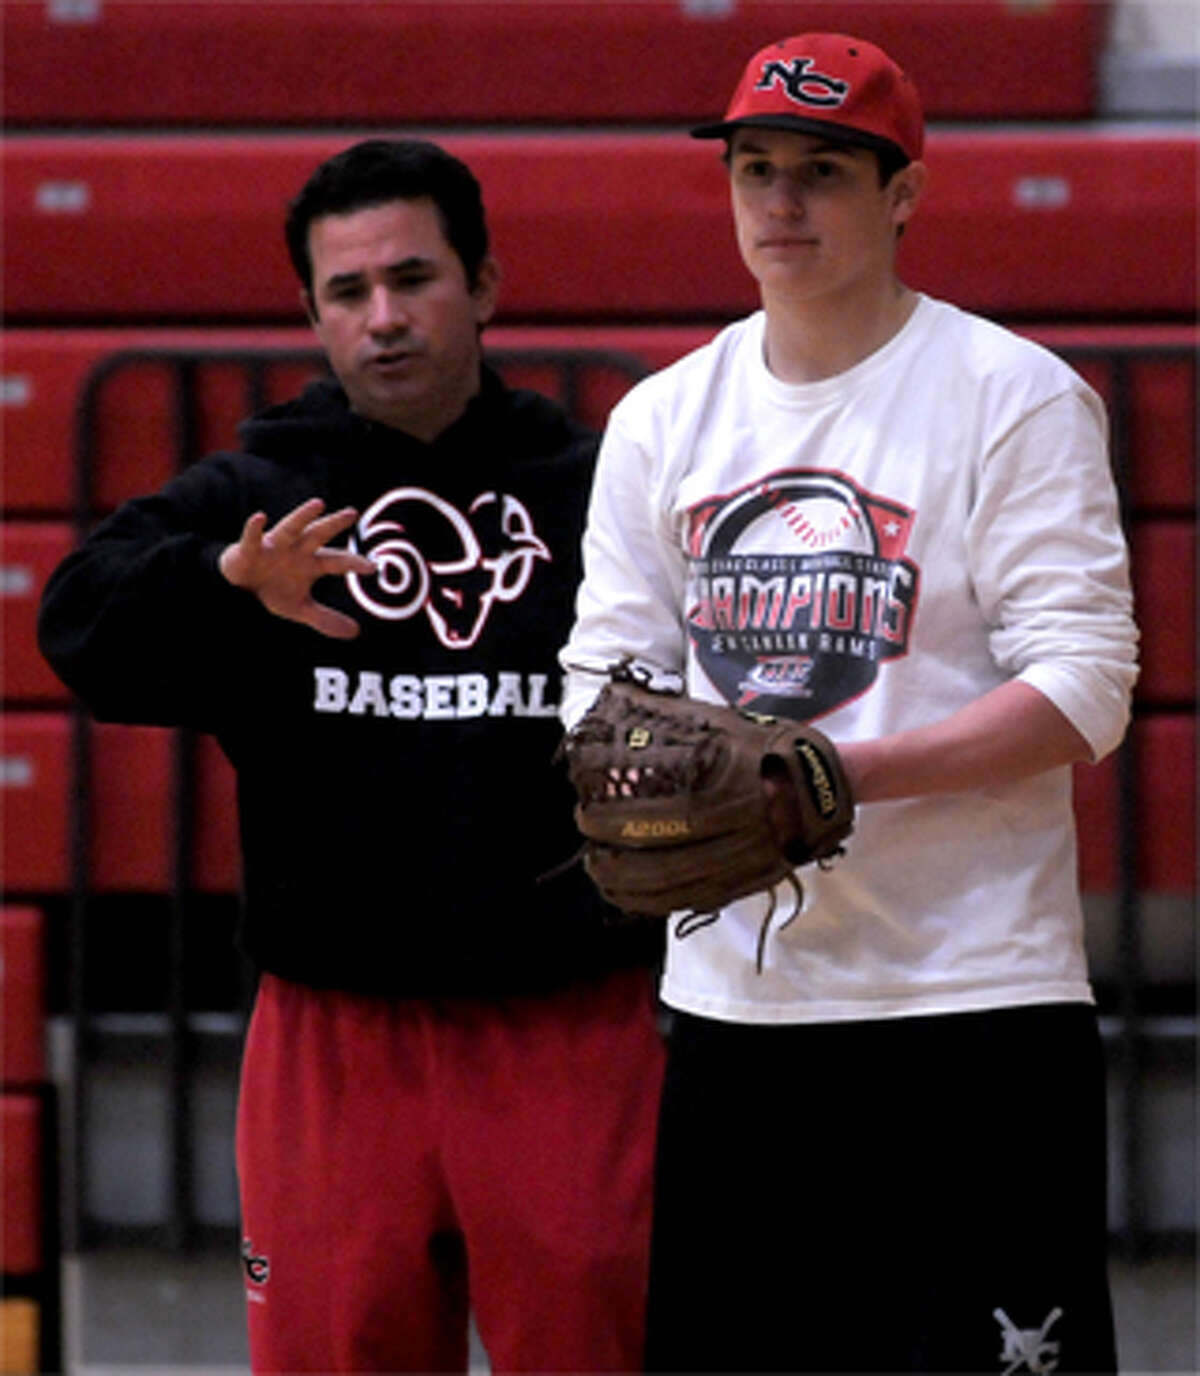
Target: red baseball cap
<point x="831" y="85"/>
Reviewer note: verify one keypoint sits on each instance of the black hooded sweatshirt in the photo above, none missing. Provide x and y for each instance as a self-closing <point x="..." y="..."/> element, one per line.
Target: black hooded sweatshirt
<point x="399" y="802"/>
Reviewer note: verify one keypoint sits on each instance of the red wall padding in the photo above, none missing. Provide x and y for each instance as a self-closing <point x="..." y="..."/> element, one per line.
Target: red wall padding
<point x="130" y="811"/>
<point x="22" y="995"/>
<point x="306" y="62"/>
<point x="1162" y="474"/>
<point x="20" y="1173"/>
<point x="1163" y="565"/>
<point x="1164" y="815"/>
<point x="29" y="552"/>
<point x="1083" y="223"/>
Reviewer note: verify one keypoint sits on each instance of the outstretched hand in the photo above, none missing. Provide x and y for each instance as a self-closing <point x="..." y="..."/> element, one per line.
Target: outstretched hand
<point x="279" y="566"/>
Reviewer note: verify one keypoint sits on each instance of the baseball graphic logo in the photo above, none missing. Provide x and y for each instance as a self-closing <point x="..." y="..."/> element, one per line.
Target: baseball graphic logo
<point x="450" y="565"/>
<point x="820" y="521"/>
<point x="799" y="591"/>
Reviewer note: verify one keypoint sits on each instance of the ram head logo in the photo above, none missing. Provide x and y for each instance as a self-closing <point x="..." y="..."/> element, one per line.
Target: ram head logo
<point x="432" y="558"/>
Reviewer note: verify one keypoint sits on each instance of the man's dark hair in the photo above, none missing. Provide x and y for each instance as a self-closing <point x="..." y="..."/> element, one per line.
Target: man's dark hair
<point x="377" y="171"/>
<point x="891" y="160"/>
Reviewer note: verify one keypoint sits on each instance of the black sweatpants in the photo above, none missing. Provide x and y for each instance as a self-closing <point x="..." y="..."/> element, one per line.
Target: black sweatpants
<point x="911" y="1195"/>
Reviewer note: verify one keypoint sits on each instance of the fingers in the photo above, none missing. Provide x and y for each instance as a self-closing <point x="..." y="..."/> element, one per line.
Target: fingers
<point x="252" y="531"/>
<point x="329" y="622"/>
<point x="334" y="561"/>
<point x="281" y="564"/>
<point x="784" y="815"/>
<point x="238" y="559"/>
<point x="319" y="532"/>
<point x="305" y="529"/>
<point x="289" y="529"/>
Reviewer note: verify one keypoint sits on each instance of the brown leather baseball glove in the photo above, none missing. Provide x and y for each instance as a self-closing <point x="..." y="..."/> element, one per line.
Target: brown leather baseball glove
<point x="685" y="806"/>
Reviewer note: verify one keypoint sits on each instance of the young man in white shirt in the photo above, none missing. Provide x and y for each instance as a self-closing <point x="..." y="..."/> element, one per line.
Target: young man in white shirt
<point x="882" y="1147"/>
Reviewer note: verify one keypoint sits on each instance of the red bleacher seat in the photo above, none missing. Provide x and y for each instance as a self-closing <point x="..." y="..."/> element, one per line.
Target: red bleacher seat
<point x="43" y="372"/>
<point x="1163" y="563"/>
<point x="570" y="220"/>
<point x="1073" y="222"/>
<point x="20" y="1172"/>
<point x="1162" y="474"/>
<point x="130" y="844"/>
<point x="1020" y="223"/>
<point x="35" y="774"/>
<point x="1164" y="811"/>
<point x="22" y="995"/>
<point x="308" y="62"/>
<point x="29" y="551"/>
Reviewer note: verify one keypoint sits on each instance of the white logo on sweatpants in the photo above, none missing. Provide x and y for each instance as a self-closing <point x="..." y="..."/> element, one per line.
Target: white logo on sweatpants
<point x="1027" y="1349"/>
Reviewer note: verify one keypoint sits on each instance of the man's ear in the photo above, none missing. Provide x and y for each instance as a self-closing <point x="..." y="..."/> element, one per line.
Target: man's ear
<point x="907" y="188"/>
<point x="486" y="291"/>
<point x="309" y="306"/>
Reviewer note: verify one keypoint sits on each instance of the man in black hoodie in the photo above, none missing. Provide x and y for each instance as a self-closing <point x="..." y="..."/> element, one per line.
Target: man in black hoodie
<point x="453" y="1058"/>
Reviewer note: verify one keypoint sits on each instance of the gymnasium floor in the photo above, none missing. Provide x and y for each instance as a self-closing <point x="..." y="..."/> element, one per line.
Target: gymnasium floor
<point x="133" y="1313"/>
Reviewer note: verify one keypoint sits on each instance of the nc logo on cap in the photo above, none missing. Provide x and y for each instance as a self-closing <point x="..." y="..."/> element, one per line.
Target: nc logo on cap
<point x="801" y="83"/>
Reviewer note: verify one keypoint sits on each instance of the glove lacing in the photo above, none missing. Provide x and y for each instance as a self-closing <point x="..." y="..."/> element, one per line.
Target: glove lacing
<point x="693" y="922"/>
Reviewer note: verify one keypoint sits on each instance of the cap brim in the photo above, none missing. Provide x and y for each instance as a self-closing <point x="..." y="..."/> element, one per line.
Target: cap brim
<point x="797" y="124"/>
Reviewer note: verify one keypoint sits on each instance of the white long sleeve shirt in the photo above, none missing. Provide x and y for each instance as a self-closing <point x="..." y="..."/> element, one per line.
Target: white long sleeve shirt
<point x="871" y="552"/>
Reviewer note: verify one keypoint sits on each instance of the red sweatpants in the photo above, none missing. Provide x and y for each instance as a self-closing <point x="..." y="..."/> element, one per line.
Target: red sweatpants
<point x="389" y="1150"/>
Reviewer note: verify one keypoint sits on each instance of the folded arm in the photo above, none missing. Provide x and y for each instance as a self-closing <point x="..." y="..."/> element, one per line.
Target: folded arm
<point x="1010" y="733"/>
